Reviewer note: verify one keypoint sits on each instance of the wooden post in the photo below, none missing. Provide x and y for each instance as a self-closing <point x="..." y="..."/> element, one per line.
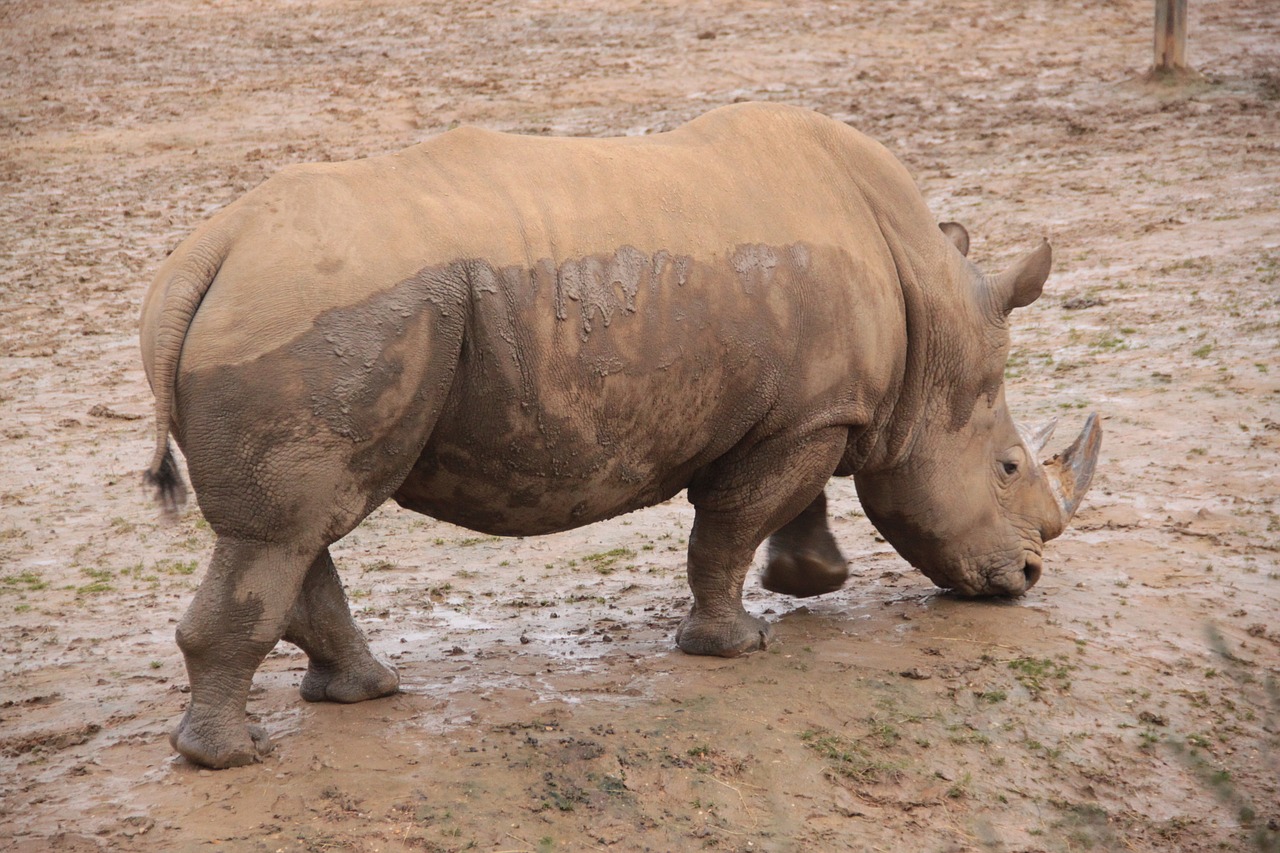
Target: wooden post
<point x="1171" y="36"/>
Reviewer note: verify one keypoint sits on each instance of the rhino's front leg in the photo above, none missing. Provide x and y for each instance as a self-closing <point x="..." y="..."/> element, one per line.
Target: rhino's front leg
<point x="738" y="502"/>
<point x="237" y="616"/>
<point x="341" y="667"/>
<point x="803" y="559"/>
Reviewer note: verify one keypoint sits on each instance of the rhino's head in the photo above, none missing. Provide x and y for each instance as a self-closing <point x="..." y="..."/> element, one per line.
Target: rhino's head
<point x="967" y="499"/>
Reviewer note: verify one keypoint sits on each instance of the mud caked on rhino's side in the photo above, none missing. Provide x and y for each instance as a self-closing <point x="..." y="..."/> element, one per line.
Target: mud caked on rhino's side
<point x="523" y="335"/>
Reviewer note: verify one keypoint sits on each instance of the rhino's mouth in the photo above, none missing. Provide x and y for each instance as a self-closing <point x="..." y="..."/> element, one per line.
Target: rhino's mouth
<point x="1016" y="577"/>
<point x="1010" y="578"/>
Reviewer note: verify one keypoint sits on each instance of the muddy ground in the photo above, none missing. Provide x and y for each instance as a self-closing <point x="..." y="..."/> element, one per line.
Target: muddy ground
<point x="1122" y="705"/>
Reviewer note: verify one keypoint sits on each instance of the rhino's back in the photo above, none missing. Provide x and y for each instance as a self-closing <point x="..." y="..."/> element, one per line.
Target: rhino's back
<point x="746" y="174"/>
<point x="324" y="236"/>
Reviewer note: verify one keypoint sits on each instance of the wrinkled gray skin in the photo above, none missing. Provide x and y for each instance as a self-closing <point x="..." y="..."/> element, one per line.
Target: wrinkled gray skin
<point x="525" y="335"/>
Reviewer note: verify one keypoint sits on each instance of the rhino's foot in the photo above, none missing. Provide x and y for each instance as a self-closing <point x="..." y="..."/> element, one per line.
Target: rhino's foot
<point x="220" y="747"/>
<point x="369" y="679"/>
<point x="724" y="637"/>
<point x="803" y="574"/>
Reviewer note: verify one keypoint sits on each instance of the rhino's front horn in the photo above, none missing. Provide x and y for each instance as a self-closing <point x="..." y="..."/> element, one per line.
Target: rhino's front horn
<point x="1070" y="472"/>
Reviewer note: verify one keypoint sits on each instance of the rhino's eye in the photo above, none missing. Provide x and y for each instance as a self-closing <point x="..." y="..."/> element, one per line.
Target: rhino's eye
<point x="1010" y="468"/>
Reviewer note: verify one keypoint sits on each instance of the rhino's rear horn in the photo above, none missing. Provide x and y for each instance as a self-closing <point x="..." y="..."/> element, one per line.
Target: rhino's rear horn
<point x="1036" y="438"/>
<point x="1070" y="473"/>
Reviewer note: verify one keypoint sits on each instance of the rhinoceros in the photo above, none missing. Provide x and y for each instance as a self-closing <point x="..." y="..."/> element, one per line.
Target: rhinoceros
<point x="522" y="335"/>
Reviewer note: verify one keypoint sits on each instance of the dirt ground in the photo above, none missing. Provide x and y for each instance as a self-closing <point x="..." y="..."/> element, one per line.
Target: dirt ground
<point x="1127" y="703"/>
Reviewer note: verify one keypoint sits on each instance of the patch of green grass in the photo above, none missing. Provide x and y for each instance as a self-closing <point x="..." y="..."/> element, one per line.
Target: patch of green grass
<point x="606" y="562"/>
<point x="1109" y="341"/>
<point x="1038" y="674"/>
<point x="849" y="758"/>
<point x="121" y="525"/>
<point x="99" y="582"/>
<point x="884" y="734"/>
<point x="27" y="581"/>
<point x="960" y="789"/>
<point x="562" y="797"/>
<point x="579" y="597"/>
<point x="962" y="733"/>
<point x="530" y="602"/>
<point x="1084" y="826"/>
<point x="614" y="786"/>
<point x="1033" y="745"/>
<point x="177" y="568"/>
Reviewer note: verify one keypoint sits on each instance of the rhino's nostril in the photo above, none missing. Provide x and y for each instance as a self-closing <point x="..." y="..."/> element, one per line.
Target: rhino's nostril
<point x="1031" y="571"/>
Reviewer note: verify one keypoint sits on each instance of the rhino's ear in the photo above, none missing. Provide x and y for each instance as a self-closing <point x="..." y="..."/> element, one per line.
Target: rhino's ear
<point x="957" y="234"/>
<point x="1022" y="285"/>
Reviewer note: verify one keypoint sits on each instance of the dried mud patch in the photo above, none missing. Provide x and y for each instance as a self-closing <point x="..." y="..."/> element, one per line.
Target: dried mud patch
<point x="1127" y="703"/>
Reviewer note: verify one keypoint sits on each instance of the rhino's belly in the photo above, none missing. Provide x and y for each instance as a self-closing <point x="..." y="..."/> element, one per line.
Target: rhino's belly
<point x="484" y="490"/>
<point x="571" y="447"/>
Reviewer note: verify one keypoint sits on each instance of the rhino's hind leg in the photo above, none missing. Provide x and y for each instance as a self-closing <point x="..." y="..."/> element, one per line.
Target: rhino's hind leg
<point x="803" y="559"/>
<point x="738" y="502"/>
<point x="237" y="616"/>
<point x="341" y="669"/>
<point x="718" y="624"/>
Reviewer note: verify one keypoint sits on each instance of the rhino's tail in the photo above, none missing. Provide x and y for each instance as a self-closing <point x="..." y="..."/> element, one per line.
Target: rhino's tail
<point x="164" y="478"/>
<point x="183" y="293"/>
